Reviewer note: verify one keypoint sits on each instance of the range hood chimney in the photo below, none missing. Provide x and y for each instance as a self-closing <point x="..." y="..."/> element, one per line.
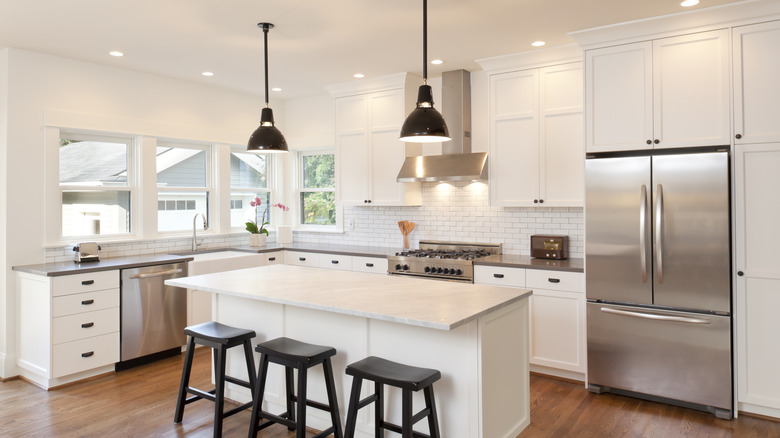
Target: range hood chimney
<point x="457" y="162"/>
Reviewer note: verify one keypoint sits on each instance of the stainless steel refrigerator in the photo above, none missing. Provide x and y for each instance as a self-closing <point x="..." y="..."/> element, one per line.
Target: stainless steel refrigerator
<point x="658" y="276"/>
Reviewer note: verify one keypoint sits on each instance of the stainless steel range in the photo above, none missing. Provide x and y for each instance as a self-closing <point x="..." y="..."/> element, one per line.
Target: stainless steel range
<point x="441" y="260"/>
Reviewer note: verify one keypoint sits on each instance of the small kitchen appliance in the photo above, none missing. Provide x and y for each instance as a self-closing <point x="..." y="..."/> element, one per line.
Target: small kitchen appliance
<point x="86" y="252"/>
<point x="441" y="260"/>
<point x="549" y="246"/>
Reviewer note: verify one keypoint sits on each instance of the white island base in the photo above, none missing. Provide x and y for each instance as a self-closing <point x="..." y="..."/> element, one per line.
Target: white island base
<point x="483" y="358"/>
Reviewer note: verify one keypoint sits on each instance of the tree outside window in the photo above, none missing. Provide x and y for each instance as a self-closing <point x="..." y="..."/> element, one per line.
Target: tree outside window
<point x="317" y="189"/>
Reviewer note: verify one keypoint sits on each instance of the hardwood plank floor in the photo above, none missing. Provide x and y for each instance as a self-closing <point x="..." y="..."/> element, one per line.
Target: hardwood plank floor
<point x="139" y="403"/>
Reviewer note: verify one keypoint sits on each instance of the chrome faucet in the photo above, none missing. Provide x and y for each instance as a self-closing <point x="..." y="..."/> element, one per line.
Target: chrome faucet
<point x="195" y="243"/>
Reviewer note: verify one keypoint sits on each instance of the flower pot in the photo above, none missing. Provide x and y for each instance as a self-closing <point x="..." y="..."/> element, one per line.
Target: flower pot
<point x="258" y="240"/>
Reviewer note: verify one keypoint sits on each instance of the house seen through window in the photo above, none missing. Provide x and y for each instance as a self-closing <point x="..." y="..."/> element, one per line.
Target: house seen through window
<point x="183" y="186"/>
<point x="248" y="180"/>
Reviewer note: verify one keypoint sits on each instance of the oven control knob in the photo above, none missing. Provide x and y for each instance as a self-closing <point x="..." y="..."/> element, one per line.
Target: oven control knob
<point x="427" y="269"/>
<point x="397" y="267"/>
<point x="458" y="272"/>
<point x="446" y="270"/>
<point x="439" y="270"/>
<point x="406" y="267"/>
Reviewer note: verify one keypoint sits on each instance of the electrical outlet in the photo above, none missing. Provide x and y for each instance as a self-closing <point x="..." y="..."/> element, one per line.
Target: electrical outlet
<point x="350" y="224"/>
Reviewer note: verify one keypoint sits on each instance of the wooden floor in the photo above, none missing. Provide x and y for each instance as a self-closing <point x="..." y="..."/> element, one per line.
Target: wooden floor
<point x="139" y="403"/>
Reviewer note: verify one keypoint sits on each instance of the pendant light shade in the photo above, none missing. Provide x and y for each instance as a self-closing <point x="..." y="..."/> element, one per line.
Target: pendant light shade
<point x="267" y="137"/>
<point x="424" y="124"/>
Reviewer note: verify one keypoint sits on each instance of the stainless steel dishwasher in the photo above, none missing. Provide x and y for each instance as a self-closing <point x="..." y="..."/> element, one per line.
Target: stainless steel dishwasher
<point x="153" y="315"/>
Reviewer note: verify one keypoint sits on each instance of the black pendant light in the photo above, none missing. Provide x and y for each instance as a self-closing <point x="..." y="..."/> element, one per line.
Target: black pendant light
<point x="424" y="124"/>
<point x="267" y="137"/>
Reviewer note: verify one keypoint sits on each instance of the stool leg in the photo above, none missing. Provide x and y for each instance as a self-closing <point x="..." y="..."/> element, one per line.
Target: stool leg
<point x="300" y="429"/>
<point x="433" y="419"/>
<point x="379" y="408"/>
<point x="250" y="366"/>
<point x="288" y="381"/>
<point x="257" y="399"/>
<point x="406" y="413"/>
<point x="219" y="390"/>
<point x="185" y="380"/>
<point x="330" y="386"/>
<point x="352" y="410"/>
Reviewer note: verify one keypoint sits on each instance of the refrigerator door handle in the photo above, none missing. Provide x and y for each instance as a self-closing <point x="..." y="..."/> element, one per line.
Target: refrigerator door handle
<point x="643" y="231"/>
<point x="659" y="228"/>
<point x="656" y="317"/>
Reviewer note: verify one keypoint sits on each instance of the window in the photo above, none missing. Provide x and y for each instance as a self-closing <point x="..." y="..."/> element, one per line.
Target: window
<point x="95" y="185"/>
<point x="248" y="180"/>
<point x="183" y="185"/>
<point x="317" y="193"/>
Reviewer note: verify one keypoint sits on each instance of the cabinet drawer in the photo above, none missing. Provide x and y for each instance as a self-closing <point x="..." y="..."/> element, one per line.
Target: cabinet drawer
<point x="375" y="265"/>
<point x="85" y="354"/>
<point x="273" y="258"/>
<point x="86" y="302"/>
<point x="78" y="283"/>
<point x="499" y="276"/>
<point x="299" y="258"/>
<point x="555" y="280"/>
<point x="332" y="261"/>
<point x="85" y="325"/>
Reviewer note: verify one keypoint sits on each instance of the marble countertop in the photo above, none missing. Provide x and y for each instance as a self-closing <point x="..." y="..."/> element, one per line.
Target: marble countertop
<point x="434" y="304"/>
<point x="527" y="262"/>
<point x="70" y="268"/>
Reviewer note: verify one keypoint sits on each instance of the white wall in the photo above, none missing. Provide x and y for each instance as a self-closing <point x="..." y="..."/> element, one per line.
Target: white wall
<point x="88" y="96"/>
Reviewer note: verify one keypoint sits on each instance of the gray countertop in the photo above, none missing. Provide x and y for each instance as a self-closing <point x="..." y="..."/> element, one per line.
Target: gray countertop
<point x="68" y="268"/>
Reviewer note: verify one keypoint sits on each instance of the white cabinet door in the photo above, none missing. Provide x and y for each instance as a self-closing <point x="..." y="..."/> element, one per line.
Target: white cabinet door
<point x="352" y="150"/>
<point x="562" y="155"/>
<point x="374" y="265"/>
<point x="756" y="92"/>
<point x="619" y="97"/>
<point x="300" y="258"/>
<point x="691" y="90"/>
<point x="558" y="330"/>
<point x="758" y="277"/>
<point x="514" y="152"/>
<point x="335" y="261"/>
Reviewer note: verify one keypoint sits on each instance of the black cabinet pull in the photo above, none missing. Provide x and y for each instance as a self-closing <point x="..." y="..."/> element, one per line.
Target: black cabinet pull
<point x="335" y="262"/>
<point x="554" y="280"/>
<point x="271" y="259"/>
<point x="498" y="275"/>
<point x="303" y="259"/>
<point x="370" y="265"/>
<point x="87" y="282"/>
<point x="88" y="354"/>
<point x="87" y="302"/>
<point x="87" y="324"/>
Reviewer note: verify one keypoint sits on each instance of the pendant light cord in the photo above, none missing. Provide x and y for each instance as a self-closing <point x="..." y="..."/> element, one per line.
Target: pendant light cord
<point x="425" y="42"/>
<point x="265" y="58"/>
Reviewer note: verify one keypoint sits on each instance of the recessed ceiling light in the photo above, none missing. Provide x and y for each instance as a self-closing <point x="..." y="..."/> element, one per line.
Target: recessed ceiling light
<point x="276" y="89"/>
<point x="538" y="43"/>
<point x="358" y="75"/>
<point x="688" y="3"/>
<point x="116" y="53"/>
<point x="437" y="62"/>
<point x="207" y="73"/>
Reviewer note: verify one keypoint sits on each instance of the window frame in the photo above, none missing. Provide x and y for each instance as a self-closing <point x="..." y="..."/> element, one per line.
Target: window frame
<point x="300" y="189"/>
<point x="132" y="185"/>
<point x="270" y="188"/>
<point x="209" y="188"/>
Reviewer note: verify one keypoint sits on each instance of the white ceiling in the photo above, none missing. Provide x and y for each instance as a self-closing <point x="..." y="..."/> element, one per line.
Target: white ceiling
<point x="314" y="43"/>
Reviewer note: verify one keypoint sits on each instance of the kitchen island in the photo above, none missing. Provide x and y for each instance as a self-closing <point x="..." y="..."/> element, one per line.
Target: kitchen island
<point x="476" y="335"/>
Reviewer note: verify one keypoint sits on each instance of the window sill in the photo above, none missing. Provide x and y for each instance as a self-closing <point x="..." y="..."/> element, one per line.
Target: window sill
<point x="329" y="230"/>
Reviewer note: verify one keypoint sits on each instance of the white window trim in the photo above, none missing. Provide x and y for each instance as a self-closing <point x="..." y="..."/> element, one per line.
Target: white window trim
<point x="339" y="226"/>
<point x="52" y="136"/>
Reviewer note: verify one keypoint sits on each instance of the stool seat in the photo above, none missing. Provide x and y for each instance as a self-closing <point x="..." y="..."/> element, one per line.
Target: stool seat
<point x="217" y="333"/>
<point x="295" y="351"/>
<point x="392" y="373"/>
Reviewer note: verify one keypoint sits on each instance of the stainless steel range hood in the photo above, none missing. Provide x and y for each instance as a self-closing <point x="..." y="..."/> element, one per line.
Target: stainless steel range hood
<point x="457" y="162"/>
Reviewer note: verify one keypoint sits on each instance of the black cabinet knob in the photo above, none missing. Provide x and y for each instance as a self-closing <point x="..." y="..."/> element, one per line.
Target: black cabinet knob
<point x="541" y="201"/>
<point x="656" y="141"/>
<point x="738" y="136"/>
<point x="740" y="273"/>
<point x="536" y="201"/>
<point x="649" y="141"/>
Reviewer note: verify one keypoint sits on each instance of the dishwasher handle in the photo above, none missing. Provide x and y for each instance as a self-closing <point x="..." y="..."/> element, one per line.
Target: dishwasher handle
<point x="156" y="274"/>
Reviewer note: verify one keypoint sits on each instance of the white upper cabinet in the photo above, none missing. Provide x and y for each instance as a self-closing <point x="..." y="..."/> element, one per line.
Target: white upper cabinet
<point x="536" y="154"/>
<point x="666" y="93"/>
<point x="368" y="151"/>
<point x="756" y="72"/>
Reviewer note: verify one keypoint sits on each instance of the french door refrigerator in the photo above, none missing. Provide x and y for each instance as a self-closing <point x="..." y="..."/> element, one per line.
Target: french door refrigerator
<point x="658" y="276"/>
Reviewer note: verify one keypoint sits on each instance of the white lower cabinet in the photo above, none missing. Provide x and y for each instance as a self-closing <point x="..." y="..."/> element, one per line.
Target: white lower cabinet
<point x="374" y="265"/>
<point x="68" y="326"/>
<point x="335" y="261"/>
<point x="301" y="258"/>
<point x="557" y="316"/>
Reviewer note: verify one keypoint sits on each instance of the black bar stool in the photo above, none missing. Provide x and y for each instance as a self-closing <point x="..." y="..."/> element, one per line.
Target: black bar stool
<point x="408" y="379"/>
<point x="298" y="355"/>
<point x="219" y="337"/>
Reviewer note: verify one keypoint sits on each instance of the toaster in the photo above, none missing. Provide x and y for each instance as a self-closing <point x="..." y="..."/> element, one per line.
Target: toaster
<point x="86" y="252"/>
<point x="549" y="246"/>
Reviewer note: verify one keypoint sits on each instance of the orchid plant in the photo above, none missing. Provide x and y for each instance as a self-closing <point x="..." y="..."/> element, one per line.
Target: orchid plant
<point x="252" y="227"/>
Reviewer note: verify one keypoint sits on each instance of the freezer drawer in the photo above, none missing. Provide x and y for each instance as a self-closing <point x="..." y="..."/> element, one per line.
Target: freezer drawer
<point x="675" y="355"/>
